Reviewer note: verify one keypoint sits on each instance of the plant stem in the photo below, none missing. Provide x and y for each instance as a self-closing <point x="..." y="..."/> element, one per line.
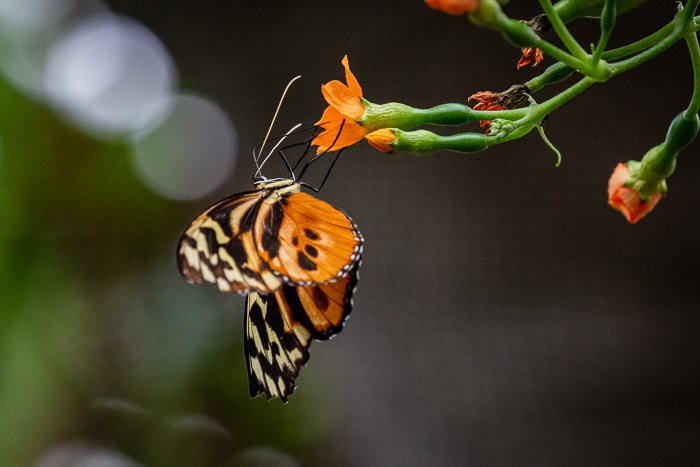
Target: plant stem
<point x="560" y="71"/>
<point x="562" y="31"/>
<point x="562" y="98"/>
<point x="456" y="114"/>
<point x="651" y="52"/>
<point x="694" y="49"/>
<point x="607" y="23"/>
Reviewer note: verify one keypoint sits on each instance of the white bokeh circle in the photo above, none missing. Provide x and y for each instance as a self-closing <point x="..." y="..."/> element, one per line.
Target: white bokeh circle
<point x="110" y="75"/>
<point x="191" y="153"/>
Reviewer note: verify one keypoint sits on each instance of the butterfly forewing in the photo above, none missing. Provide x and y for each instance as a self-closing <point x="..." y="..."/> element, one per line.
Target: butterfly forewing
<point x="307" y="241"/>
<point x="279" y="329"/>
<point x="219" y="247"/>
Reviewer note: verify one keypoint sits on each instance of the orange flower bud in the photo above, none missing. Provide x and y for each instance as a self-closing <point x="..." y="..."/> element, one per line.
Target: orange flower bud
<point x="382" y="140"/>
<point x="628" y="200"/>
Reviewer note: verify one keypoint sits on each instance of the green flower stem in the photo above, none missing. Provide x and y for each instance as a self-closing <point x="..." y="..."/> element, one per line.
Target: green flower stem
<point x="424" y="142"/>
<point x="456" y="114"/>
<point x="562" y="31"/>
<point x="683" y="24"/>
<point x="397" y="115"/>
<point x="560" y="71"/>
<point x="607" y="24"/>
<point x="558" y="54"/>
<point x="694" y="49"/>
<point x="557" y="101"/>
<point x="522" y="35"/>
<point x="421" y="142"/>
<point x="638" y="46"/>
<point x="545" y="108"/>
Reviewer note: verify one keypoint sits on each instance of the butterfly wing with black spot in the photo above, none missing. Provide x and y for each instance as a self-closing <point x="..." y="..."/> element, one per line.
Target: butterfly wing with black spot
<point x="219" y="247"/>
<point x="279" y="328"/>
<point x="306" y="241"/>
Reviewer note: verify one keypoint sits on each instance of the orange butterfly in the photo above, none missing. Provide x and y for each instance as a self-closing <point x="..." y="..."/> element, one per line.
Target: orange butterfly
<point x="296" y="257"/>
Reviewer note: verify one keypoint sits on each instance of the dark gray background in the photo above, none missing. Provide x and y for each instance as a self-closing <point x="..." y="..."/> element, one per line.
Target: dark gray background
<point x="505" y="315"/>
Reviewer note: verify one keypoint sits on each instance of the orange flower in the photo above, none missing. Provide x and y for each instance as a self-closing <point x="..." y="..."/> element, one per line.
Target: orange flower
<point x="344" y="110"/>
<point x="454" y="7"/>
<point x="382" y="140"/>
<point x="487" y="100"/>
<point x="627" y="200"/>
<point x="530" y="55"/>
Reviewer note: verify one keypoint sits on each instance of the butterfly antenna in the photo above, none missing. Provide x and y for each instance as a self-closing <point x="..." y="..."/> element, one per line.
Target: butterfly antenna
<point x="281" y="140"/>
<point x="272" y="123"/>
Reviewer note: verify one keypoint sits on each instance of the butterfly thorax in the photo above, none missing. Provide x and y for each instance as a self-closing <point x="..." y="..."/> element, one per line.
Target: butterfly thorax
<point x="279" y="187"/>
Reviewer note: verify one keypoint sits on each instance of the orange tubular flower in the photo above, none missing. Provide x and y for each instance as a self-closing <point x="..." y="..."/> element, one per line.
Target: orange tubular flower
<point x="382" y="139"/>
<point x="486" y="100"/>
<point x="454" y="7"/>
<point x="344" y="110"/>
<point x="627" y="200"/>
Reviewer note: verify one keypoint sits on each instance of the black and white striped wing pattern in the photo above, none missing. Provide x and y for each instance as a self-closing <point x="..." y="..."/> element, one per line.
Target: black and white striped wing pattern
<point x="219" y="247"/>
<point x="279" y="328"/>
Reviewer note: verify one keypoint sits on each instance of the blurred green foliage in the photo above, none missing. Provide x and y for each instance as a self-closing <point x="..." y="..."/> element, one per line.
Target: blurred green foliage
<point x="101" y="342"/>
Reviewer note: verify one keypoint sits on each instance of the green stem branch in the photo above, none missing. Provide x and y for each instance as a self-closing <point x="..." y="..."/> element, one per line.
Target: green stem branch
<point x="560" y="28"/>
<point x="683" y="23"/>
<point x="607" y="24"/>
<point x="694" y="49"/>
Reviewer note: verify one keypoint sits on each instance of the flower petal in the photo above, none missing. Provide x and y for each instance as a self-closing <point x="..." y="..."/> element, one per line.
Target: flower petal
<point x="483" y="96"/>
<point x="350" y="134"/>
<point x="330" y="117"/>
<point x="344" y="99"/>
<point x="530" y="55"/>
<point x="353" y="84"/>
<point x="628" y="203"/>
<point x="618" y="178"/>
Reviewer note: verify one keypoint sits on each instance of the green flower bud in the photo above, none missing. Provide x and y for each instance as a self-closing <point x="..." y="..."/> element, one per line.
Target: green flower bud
<point x="682" y="131"/>
<point x="489" y="14"/>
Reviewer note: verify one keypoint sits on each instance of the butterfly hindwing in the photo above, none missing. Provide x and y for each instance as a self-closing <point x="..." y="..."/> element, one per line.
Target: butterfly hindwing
<point x="279" y="328"/>
<point x="275" y="352"/>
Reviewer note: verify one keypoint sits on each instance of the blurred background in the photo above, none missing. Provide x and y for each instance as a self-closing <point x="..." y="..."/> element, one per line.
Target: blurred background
<point x="505" y="314"/>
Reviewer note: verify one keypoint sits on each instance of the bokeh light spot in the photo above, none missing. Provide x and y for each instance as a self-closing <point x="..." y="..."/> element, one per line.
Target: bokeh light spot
<point x="29" y="17"/>
<point x="110" y="75"/>
<point x="190" y="153"/>
<point x="81" y="454"/>
<point x="264" y="456"/>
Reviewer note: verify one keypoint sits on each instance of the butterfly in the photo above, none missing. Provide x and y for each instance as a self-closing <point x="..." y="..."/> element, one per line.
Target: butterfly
<point x="296" y="258"/>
